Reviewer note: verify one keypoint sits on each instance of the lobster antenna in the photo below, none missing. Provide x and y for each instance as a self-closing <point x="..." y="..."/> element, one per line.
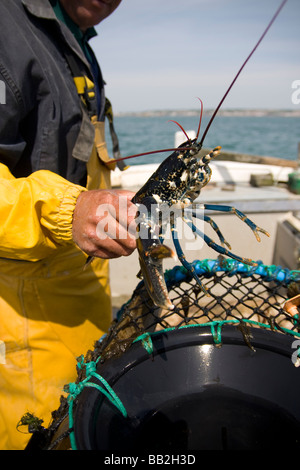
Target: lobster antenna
<point x="159" y="151"/>
<point x="243" y="65"/>
<point x="200" y="120"/>
<point x="146" y="153"/>
<point x="181" y="129"/>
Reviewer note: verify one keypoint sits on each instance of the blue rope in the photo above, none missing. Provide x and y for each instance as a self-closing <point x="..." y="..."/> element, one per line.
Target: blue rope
<point x="231" y="266"/>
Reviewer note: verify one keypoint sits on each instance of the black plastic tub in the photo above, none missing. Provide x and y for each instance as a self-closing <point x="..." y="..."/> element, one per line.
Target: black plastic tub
<point x="193" y="395"/>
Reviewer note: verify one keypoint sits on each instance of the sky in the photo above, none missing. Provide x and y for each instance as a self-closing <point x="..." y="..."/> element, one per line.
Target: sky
<point x="163" y="54"/>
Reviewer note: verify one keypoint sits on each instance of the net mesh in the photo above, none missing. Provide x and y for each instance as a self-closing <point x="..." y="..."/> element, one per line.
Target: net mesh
<point x="236" y="294"/>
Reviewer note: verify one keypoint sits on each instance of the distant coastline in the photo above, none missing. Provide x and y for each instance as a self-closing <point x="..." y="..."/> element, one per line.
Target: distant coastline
<point x="224" y="112"/>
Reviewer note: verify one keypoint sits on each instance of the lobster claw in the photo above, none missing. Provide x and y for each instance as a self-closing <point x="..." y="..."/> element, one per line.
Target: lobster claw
<point x="150" y="257"/>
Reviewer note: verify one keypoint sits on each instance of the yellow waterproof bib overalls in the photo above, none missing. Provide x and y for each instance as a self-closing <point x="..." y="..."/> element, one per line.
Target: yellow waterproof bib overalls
<point x="51" y="309"/>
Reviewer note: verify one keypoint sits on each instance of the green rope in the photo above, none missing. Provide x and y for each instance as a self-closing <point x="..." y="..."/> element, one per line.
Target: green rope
<point x="216" y="330"/>
<point x="74" y="389"/>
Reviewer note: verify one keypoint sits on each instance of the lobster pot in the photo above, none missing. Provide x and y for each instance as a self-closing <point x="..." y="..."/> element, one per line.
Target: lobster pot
<point x="217" y="372"/>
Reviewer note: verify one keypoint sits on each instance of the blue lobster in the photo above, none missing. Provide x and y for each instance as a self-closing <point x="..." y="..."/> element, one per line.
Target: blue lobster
<point x="176" y="184"/>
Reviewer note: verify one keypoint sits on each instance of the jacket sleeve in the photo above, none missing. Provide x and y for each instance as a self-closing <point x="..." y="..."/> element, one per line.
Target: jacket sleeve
<point x="36" y="214"/>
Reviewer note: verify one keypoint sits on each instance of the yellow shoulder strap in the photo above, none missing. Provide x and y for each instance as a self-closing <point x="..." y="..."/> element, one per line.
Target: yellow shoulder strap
<point x="85" y="85"/>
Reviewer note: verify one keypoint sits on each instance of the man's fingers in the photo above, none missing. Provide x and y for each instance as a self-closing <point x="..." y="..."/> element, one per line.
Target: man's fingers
<point x="104" y="223"/>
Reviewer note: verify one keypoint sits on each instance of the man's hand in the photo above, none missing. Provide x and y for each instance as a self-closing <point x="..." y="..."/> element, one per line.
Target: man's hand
<point x="103" y="223"/>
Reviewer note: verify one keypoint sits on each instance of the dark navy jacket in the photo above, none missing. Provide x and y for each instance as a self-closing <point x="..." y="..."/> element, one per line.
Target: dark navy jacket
<point x="43" y="124"/>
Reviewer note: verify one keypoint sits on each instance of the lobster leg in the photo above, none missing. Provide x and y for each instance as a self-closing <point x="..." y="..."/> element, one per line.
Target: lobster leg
<point x="214" y="226"/>
<point x="218" y="248"/>
<point x="182" y="258"/>
<point x="217" y="230"/>
<point x="232" y="210"/>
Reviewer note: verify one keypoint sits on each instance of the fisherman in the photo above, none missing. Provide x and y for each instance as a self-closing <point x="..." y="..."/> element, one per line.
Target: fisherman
<point x="54" y="176"/>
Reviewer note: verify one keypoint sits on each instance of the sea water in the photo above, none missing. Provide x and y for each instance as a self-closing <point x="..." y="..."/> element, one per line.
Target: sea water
<point x="275" y="136"/>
